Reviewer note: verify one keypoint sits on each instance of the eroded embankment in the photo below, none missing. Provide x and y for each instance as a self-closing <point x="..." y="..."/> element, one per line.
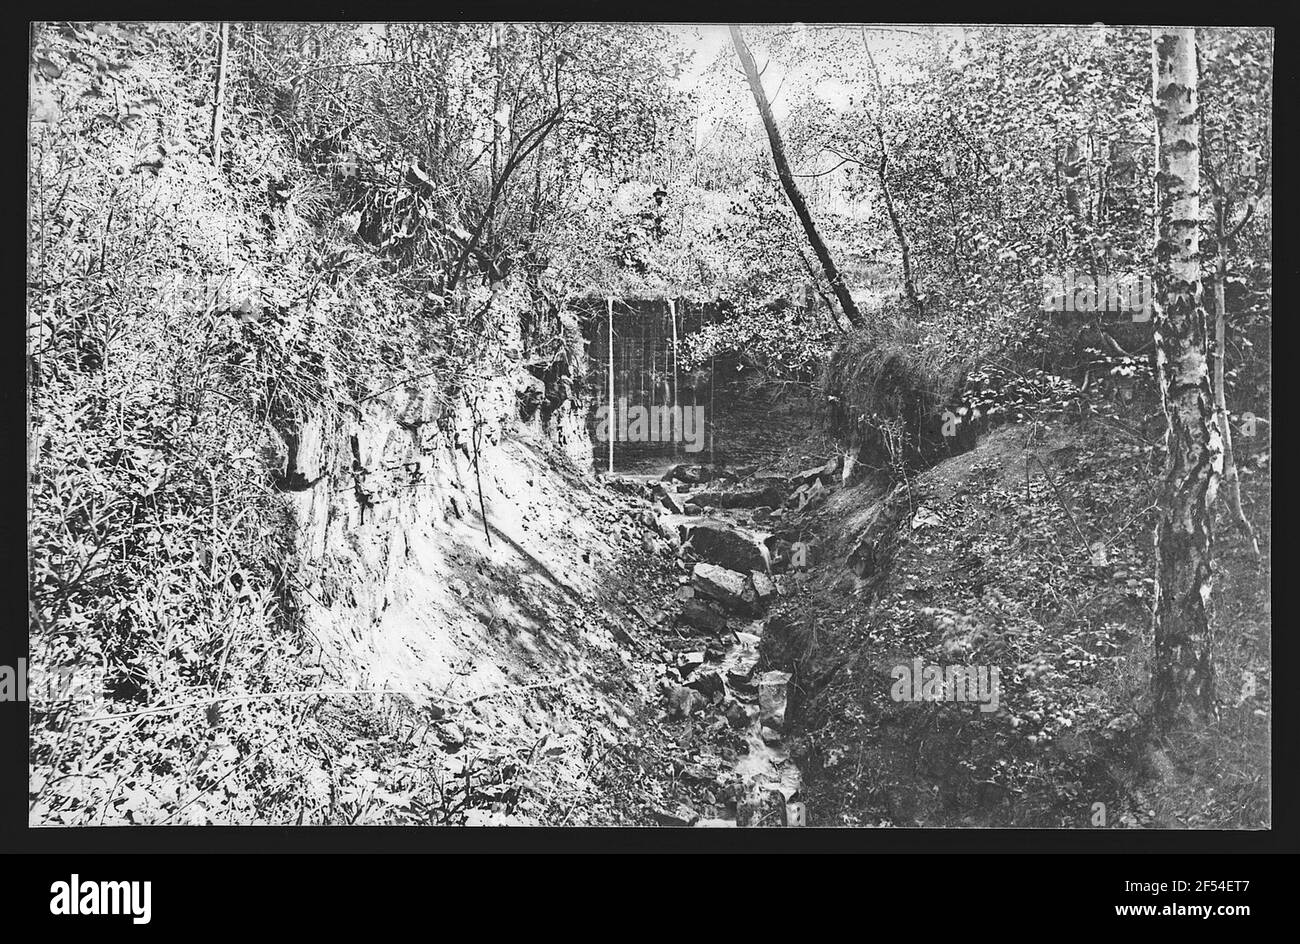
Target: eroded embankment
<point x="1025" y="564"/>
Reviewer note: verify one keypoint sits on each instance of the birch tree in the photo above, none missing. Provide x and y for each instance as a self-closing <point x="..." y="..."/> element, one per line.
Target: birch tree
<point x="1183" y="674"/>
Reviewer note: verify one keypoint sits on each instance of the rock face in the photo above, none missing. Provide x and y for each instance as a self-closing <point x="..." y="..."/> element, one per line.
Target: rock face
<point x="730" y="546"/>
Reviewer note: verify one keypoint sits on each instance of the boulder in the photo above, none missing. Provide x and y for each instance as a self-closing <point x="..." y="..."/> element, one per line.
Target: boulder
<point x="745" y="496"/>
<point x="688" y="662"/>
<point x="826" y="473"/>
<point x="731" y="589"/>
<point x="691" y="474"/>
<point x="764" y="588"/>
<point x="669" y="499"/>
<point x="709" y="683"/>
<point x="730" y="546"/>
<point x="680" y="473"/>
<point x="703" y="616"/>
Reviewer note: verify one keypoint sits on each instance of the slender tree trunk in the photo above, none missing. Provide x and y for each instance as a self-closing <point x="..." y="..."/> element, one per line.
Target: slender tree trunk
<point x="882" y="171"/>
<point x="797" y="201"/>
<point x="1183" y="673"/>
<point x="219" y="100"/>
<point x="1231" y="477"/>
<point x="905" y="247"/>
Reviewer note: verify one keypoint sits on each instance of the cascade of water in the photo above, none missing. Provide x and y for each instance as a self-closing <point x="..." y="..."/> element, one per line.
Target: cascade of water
<point x="672" y="313"/>
<point x="610" y="324"/>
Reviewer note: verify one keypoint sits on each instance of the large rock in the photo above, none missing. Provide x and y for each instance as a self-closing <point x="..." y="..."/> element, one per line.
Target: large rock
<point x="806" y="495"/>
<point x="709" y="683"/>
<point x="764" y="588"/>
<point x="746" y="496"/>
<point x="682" y="816"/>
<point x="826" y="474"/>
<point x="669" y="499"/>
<point x="691" y="474"/>
<point x="701" y="615"/>
<point x="728" y="587"/>
<point x="730" y="546"/>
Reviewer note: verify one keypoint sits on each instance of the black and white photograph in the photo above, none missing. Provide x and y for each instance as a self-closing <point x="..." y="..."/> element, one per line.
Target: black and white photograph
<point x="651" y="426"/>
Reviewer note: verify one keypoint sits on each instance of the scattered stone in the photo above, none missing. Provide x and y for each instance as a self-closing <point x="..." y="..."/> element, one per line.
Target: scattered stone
<point x="691" y="474"/>
<point x="628" y="485"/>
<point x="672" y="537"/>
<point x="815" y="493"/>
<point x="684" y="702"/>
<point x="709" y="683"/>
<point x="669" y="499"/>
<point x="699" y="773"/>
<point x="823" y="474"/>
<point x="682" y="816"/>
<point x="451" y="736"/>
<point x="807" y="476"/>
<point x="688" y="662"/>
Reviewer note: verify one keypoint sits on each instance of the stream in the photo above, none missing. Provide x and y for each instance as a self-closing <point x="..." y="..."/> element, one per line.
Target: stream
<point x="742" y="773"/>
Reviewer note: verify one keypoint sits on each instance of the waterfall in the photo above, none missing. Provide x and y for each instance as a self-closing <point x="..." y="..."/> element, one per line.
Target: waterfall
<point x="610" y="322"/>
<point x="672" y="313"/>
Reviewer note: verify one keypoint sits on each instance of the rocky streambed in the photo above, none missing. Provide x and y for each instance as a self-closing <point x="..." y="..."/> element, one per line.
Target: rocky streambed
<point x="738" y="540"/>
